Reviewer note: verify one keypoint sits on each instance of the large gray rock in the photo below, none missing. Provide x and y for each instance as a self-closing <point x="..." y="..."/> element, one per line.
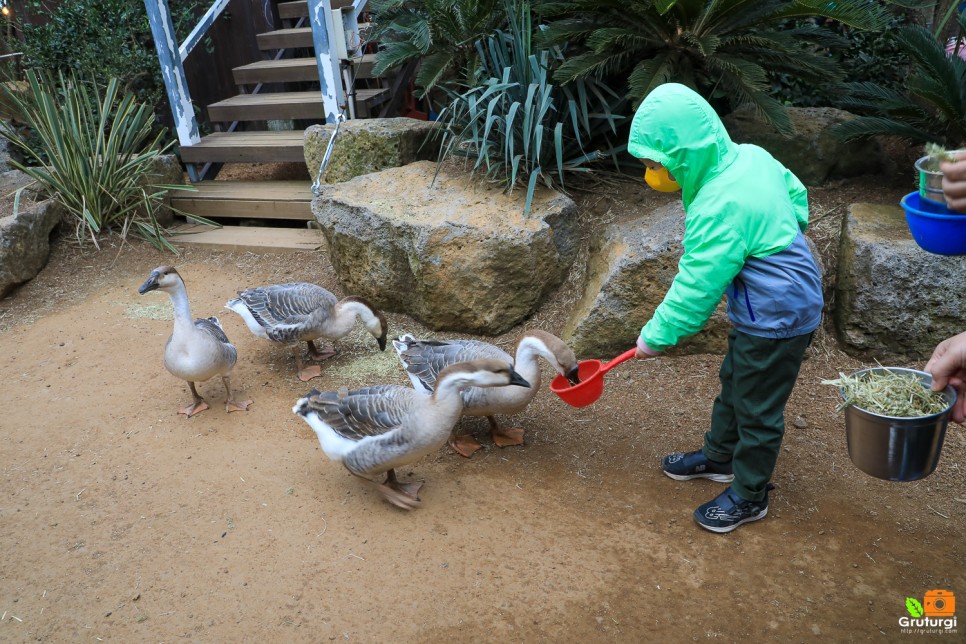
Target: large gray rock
<point x="631" y="267"/>
<point x="812" y="153"/>
<point x="453" y="254"/>
<point x="364" y="146"/>
<point x="894" y="301"/>
<point x="25" y="242"/>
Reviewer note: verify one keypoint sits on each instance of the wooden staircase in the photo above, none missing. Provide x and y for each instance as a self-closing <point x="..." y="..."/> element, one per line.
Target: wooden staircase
<point x="238" y="141"/>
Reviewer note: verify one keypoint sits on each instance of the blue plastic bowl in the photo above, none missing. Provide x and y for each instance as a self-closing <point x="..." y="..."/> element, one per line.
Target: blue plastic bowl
<point x="935" y="228"/>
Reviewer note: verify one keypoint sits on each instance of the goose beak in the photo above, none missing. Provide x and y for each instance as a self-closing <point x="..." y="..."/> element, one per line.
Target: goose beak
<point x="150" y="284"/>
<point x="382" y="342"/>
<point x="573" y="376"/>
<point x="517" y="379"/>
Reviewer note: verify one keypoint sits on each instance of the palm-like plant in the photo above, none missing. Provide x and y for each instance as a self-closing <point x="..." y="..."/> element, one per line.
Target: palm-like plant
<point x="933" y="106"/>
<point x="439" y="33"/>
<point x="724" y="49"/>
<point x="92" y="148"/>
<point x="519" y="126"/>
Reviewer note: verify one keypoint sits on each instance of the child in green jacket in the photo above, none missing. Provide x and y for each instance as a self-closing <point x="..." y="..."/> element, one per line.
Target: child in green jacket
<point x="743" y="238"/>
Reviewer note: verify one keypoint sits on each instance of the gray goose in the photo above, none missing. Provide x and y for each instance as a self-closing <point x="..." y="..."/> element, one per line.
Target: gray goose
<point x="374" y="430"/>
<point x="424" y="360"/>
<point x="300" y="312"/>
<point x="197" y="350"/>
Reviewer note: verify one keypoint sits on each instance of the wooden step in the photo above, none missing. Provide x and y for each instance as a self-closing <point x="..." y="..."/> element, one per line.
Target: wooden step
<point x="248" y="239"/>
<point x="285" y="39"/>
<point x="277" y="105"/>
<point x="300" y="9"/>
<point x="246" y="147"/>
<point x="248" y="199"/>
<point x="285" y="70"/>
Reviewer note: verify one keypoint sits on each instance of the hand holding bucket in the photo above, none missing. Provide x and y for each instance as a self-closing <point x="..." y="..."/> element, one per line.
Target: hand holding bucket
<point x="591" y="386"/>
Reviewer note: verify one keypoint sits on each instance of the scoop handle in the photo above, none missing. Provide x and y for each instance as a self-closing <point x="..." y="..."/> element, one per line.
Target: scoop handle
<point x="627" y="355"/>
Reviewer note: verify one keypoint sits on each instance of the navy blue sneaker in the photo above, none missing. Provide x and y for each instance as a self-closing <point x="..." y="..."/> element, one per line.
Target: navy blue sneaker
<point x="695" y="465"/>
<point x="727" y="511"/>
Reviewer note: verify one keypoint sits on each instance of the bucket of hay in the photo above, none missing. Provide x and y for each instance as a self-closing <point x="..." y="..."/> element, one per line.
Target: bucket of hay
<point x="894" y="424"/>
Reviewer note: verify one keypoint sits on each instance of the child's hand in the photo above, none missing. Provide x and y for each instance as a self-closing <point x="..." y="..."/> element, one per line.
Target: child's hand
<point x="644" y="351"/>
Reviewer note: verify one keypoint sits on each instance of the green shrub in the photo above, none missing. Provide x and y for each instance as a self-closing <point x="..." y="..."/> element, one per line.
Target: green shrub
<point x="725" y="49"/>
<point x="440" y="34"/>
<point x="930" y="106"/>
<point x="517" y="127"/>
<point x="97" y="163"/>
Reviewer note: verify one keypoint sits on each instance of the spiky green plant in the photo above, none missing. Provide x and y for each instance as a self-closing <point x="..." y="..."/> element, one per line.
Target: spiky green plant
<point x="930" y="108"/>
<point x="92" y="149"/>
<point x="517" y="126"/>
<point x="724" y="49"/>
<point x="440" y="34"/>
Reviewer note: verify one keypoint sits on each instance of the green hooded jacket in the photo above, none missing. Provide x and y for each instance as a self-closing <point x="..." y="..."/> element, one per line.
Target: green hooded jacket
<point x="743" y="227"/>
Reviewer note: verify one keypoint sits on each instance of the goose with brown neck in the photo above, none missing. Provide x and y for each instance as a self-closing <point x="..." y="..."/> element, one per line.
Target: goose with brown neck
<point x="374" y="430"/>
<point x="301" y="312"/>
<point x="197" y="349"/>
<point x="424" y="360"/>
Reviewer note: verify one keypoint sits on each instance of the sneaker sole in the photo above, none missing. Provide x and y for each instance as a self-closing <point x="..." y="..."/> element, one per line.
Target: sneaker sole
<point x="717" y="478"/>
<point x="724" y="529"/>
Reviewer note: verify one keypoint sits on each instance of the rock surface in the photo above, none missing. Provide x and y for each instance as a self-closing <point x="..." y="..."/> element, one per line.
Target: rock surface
<point x="812" y="152"/>
<point x="24" y="242"/>
<point x="364" y="146"/>
<point x="631" y="267"/>
<point x="454" y="254"/>
<point x="893" y="299"/>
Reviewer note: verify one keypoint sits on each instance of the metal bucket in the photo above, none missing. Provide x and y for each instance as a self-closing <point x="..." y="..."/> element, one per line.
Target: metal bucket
<point x="931" y="184"/>
<point x="897" y="449"/>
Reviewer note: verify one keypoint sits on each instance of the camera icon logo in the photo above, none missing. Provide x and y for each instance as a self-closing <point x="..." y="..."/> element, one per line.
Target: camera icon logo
<point x="939" y="603"/>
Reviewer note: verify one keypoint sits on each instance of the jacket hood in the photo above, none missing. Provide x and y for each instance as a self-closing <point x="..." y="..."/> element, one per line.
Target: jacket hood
<point x="680" y="130"/>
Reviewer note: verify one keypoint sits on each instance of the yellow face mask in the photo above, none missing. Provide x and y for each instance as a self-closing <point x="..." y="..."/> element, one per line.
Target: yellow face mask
<point x="661" y="180"/>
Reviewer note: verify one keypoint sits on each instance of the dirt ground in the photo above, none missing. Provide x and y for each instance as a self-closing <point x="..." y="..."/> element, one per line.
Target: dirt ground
<point x="122" y="521"/>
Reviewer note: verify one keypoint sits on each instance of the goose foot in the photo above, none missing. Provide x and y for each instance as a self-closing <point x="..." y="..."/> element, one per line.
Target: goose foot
<point x="193" y="408"/>
<point x="324" y="354"/>
<point x="464" y="444"/>
<point x="231" y="405"/>
<point x="505" y="437"/>
<point x="402" y="495"/>
<point x="508" y="437"/>
<point x="307" y="373"/>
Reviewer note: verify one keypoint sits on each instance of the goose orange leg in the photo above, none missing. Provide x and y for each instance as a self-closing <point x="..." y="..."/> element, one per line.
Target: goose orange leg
<point x="197" y="406"/>
<point x="402" y="495"/>
<point x="230" y="404"/>
<point x="505" y="437"/>
<point x="324" y="354"/>
<point x="463" y="444"/>
<point x="305" y="373"/>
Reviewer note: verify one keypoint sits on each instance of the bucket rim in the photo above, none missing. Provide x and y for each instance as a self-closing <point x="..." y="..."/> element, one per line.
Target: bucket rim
<point x="924" y="376"/>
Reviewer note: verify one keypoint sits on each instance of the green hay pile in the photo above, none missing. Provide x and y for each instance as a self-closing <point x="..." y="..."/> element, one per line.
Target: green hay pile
<point x="889" y="393"/>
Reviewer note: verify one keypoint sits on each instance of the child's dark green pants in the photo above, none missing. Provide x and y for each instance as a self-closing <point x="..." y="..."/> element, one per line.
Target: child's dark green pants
<point x="748" y="417"/>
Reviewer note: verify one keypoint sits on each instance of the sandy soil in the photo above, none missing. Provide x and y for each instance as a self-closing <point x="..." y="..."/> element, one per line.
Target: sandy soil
<point x="122" y="521"/>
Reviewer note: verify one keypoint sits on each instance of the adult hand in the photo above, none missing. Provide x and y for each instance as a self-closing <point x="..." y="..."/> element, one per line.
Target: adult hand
<point x="948" y="367"/>
<point x="954" y="182"/>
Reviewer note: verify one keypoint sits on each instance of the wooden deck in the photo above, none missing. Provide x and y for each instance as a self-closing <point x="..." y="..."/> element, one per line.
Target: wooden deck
<point x="248" y="199"/>
<point x="248" y="239"/>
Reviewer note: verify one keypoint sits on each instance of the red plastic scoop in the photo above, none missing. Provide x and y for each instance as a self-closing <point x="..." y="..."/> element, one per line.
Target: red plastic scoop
<point x="591" y="386"/>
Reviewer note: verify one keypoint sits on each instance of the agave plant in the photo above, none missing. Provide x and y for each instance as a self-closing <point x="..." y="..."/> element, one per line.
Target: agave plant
<point x="440" y="34"/>
<point x="932" y="107"/>
<point x="93" y="151"/>
<point x="519" y="127"/>
<point x="724" y="49"/>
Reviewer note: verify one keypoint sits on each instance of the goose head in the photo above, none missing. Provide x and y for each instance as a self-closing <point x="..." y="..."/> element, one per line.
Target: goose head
<point x="374" y="320"/>
<point x="163" y="278"/>
<point x="479" y="373"/>
<point x="556" y="352"/>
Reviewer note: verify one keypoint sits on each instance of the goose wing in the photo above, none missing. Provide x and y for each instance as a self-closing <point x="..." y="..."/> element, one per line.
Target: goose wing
<point x="212" y="328"/>
<point x="425" y="359"/>
<point x="368" y="411"/>
<point x="286" y="304"/>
